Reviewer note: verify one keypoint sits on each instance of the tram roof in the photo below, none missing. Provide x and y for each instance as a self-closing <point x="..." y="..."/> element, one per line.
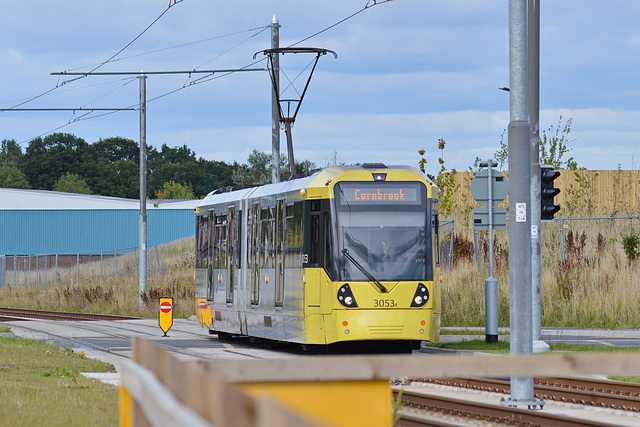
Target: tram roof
<point x="319" y="178"/>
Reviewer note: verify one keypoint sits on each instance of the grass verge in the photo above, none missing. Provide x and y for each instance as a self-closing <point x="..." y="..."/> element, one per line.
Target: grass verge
<point x="117" y="295"/>
<point x="40" y="384"/>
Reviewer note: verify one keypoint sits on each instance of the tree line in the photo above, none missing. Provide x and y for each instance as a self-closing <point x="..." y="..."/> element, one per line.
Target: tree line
<point x="110" y="167"/>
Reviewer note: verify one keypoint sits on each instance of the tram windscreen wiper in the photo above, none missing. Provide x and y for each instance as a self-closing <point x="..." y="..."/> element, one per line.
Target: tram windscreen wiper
<point x="364" y="271"/>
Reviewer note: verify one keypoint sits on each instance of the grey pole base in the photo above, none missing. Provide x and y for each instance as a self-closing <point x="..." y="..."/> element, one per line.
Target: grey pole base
<point x="491" y="339"/>
<point x="531" y="404"/>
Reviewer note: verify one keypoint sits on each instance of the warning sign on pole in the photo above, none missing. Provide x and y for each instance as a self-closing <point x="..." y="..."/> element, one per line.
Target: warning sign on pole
<point x="165" y="319"/>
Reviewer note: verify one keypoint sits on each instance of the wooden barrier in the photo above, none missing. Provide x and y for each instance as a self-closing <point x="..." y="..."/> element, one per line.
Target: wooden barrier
<point x="582" y="192"/>
<point x="157" y="389"/>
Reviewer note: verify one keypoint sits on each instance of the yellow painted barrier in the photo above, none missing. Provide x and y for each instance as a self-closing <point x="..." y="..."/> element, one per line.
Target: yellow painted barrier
<point x="332" y="403"/>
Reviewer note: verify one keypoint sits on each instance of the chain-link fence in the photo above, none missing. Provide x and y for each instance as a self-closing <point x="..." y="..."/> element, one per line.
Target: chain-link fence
<point x="42" y="271"/>
<point x="563" y="224"/>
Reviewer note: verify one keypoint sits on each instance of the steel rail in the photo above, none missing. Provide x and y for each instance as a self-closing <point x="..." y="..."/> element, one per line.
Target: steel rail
<point x="59" y="315"/>
<point x="602" y="386"/>
<point x="598" y="393"/>
<point x="484" y="412"/>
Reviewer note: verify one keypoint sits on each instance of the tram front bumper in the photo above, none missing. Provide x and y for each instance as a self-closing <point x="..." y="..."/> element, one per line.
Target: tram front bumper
<point x="365" y="325"/>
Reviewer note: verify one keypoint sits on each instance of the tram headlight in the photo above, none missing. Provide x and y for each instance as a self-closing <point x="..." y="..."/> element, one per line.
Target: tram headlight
<point x="421" y="296"/>
<point x="345" y="296"/>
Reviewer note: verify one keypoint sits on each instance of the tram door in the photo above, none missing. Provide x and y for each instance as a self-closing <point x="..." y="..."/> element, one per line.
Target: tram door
<point x="280" y="241"/>
<point x="211" y="258"/>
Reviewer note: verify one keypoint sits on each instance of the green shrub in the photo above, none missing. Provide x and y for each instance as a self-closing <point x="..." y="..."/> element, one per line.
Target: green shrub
<point x="631" y="246"/>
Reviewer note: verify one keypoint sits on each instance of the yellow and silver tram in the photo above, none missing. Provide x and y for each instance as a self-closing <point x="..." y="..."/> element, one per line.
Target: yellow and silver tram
<point x="348" y="253"/>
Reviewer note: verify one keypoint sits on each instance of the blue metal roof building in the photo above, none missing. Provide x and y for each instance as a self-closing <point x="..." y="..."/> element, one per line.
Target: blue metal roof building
<point x="48" y="222"/>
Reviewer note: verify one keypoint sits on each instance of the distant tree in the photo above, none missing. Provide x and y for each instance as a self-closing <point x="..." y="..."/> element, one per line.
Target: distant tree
<point x="220" y="176"/>
<point x="172" y="164"/>
<point x="71" y="183"/>
<point x="47" y="159"/>
<point x="12" y="177"/>
<point x="302" y="168"/>
<point x="127" y="179"/>
<point x="117" y="148"/>
<point x="257" y="171"/>
<point x="174" y="190"/>
<point x="10" y="152"/>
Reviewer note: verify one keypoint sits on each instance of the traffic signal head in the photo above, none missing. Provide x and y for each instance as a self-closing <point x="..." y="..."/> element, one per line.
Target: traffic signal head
<point x="547" y="192"/>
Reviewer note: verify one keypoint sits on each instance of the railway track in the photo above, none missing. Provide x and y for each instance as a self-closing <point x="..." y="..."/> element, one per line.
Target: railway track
<point x="430" y="410"/>
<point x="112" y="339"/>
<point x="7" y="314"/>
<point x="598" y="393"/>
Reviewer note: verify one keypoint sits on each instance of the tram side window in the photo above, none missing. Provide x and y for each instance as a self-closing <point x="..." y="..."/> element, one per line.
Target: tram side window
<point x="202" y="244"/>
<point x="234" y="238"/>
<point x="294" y="236"/>
<point x="212" y="238"/>
<point x="220" y="243"/>
<point x="267" y="246"/>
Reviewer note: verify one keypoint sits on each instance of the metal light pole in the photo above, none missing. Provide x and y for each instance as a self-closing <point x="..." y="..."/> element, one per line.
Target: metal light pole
<point x="519" y="201"/>
<point x="533" y="35"/>
<point x="142" y="272"/>
<point x="275" y="104"/>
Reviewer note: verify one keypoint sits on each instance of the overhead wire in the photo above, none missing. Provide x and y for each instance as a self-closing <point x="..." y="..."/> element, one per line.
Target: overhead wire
<point x="176" y="47"/>
<point x="59" y="84"/>
<point x="201" y="80"/>
<point x="171" y="3"/>
<point x="369" y="4"/>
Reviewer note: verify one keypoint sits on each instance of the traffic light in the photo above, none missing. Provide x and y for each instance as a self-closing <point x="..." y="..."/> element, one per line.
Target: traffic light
<point x="547" y="192"/>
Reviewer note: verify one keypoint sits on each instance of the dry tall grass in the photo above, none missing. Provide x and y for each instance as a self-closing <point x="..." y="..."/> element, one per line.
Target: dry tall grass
<point x="596" y="287"/>
<point x="86" y="292"/>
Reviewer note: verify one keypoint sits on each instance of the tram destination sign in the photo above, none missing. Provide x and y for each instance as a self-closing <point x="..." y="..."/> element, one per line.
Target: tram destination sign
<point x="379" y="193"/>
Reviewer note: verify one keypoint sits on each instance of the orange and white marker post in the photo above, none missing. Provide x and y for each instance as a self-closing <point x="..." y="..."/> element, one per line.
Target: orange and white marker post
<point x="165" y="319"/>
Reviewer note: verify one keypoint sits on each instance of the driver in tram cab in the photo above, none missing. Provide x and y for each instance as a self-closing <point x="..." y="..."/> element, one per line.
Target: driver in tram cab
<point x="390" y="251"/>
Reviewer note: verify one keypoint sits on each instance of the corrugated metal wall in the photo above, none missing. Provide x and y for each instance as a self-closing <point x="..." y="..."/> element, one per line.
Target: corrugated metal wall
<point x="24" y="232"/>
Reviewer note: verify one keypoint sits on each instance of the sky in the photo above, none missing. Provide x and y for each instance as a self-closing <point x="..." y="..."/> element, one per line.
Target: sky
<point x="408" y="73"/>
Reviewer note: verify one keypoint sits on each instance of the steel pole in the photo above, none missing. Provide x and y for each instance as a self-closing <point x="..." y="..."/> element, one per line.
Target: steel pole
<point x="275" y="105"/>
<point x="142" y="271"/>
<point x="533" y="35"/>
<point x="491" y="283"/>
<point x="519" y="201"/>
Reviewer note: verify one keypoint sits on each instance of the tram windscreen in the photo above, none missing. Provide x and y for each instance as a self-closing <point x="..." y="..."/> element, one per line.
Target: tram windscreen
<point x="383" y="226"/>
